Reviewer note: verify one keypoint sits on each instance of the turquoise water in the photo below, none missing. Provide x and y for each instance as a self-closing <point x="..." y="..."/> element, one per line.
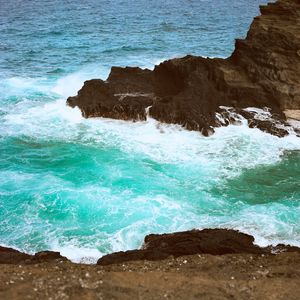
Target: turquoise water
<point x="92" y="187"/>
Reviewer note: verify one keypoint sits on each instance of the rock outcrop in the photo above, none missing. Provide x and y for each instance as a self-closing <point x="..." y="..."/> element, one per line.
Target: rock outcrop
<point x="262" y="72"/>
<point x="207" y="241"/>
<point x="12" y="256"/>
<point x="162" y="246"/>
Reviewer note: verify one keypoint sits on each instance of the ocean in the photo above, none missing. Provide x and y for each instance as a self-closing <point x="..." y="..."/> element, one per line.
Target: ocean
<point x="89" y="187"/>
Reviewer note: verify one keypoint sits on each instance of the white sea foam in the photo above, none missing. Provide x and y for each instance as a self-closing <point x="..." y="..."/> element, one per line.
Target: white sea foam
<point x="260" y="114"/>
<point x="232" y="146"/>
<point x="25" y="84"/>
<point x="267" y="223"/>
<point x="69" y="85"/>
<point x="294" y="123"/>
<point x="189" y="165"/>
<point x="77" y="254"/>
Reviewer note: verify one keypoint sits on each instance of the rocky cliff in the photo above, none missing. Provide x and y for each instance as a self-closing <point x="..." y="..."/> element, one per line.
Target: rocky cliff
<point x="262" y="72"/>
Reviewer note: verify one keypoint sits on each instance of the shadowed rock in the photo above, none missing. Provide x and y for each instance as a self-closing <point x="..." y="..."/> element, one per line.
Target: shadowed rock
<point x="263" y="72"/>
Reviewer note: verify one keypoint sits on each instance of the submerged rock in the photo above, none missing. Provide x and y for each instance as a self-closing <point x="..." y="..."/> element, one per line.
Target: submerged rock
<point x="207" y="241"/>
<point x="262" y="72"/>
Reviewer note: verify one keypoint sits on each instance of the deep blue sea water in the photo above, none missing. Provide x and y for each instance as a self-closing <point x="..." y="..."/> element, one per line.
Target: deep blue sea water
<point x="88" y="187"/>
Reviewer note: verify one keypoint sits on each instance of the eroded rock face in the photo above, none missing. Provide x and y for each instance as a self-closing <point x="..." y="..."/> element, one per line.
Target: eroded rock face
<point x="270" y="55"/>
<point x="207" y="241"/>
<point x="263" y="72"/>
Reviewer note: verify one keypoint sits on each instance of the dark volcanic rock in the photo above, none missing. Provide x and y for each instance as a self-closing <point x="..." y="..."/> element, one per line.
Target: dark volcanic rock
<point x="12" y="256"/>
<point x="263" y="71"/>
<point x="207" y="241"/>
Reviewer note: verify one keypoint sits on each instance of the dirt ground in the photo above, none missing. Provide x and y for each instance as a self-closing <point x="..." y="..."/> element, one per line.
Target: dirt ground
<point x="231" y="276"/>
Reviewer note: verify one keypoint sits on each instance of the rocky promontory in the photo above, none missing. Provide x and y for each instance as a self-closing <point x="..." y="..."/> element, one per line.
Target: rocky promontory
<point x="196" y="92"/>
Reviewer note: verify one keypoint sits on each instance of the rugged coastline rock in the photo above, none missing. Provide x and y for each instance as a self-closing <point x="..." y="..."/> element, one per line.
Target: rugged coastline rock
<point x="262" y="72"/>
<point x="12" y="256"/>
<point x="207" y="241"/>
<point x="243" y="271"/>
<point x="218" y="241"/>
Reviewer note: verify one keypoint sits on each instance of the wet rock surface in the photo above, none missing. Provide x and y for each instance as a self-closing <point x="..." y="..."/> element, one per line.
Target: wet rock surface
<point x="263" y="72"/>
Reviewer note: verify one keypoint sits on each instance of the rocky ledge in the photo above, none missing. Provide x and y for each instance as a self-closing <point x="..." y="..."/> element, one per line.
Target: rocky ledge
<point x="161" y="269"/>
<point x="12" y="256"/>
<point x="162" y="246"/>
<point x="195" y="92"/>
<point x="208" y="241"/>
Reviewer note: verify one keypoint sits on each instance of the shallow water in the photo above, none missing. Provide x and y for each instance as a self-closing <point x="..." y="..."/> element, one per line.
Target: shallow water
<point x="91" y="187"/>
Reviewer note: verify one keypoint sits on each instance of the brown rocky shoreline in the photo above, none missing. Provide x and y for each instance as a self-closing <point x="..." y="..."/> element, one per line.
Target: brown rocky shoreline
<point x="230" y="276"/>
<point x="222" y="264"/>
